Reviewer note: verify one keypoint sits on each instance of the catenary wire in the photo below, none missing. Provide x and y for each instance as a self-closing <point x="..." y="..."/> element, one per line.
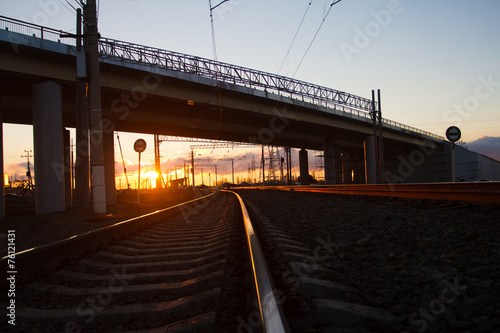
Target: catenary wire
<point x="316" y="34"/>
<point x="294" y="37"/>
<point x="66" y="6"/>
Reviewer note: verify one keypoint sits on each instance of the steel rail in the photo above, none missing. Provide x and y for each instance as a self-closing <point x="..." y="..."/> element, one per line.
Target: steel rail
<point x="272" y="318"/>
<point x="30" y="260"/>
<point x="480" y="192"/>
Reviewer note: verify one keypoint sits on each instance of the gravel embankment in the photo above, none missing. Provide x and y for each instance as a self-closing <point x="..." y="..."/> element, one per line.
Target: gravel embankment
<point x="34" y="230"/>
<point x="434" y="264"/>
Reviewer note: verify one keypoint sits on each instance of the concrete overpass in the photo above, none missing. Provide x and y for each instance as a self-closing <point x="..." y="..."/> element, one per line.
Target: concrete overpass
<point x="149" y="90"/>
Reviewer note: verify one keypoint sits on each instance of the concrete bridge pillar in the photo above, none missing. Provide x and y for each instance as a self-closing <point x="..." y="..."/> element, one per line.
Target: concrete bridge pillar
<point x="68" y="195"/>
<point x="304" y="167"/>
<point x="109" y="166"/>
<point x="329" y="162"/>
<point x="48" y="148"/>
<point x="2" y="190"/>
<point x="370" y="162"/>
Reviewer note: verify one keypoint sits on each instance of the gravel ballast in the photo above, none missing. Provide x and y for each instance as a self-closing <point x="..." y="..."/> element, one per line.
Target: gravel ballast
<point x="433" y="264"/>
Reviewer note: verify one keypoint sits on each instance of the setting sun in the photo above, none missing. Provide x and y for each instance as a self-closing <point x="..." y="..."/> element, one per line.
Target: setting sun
<point x="150" y="174"/>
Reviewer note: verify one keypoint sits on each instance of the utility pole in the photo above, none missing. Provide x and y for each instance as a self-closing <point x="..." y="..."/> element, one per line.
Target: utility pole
<point x="82" y="121"/>
<point x="192" y="165"/>
<point x="72" y="166"/>
<point x="28" y="173"/>
<point x="159" y="184"/>
<point x="263" y="161"/>
<point x="123" y="162"/>
<point x="232" y="168"/>
<point x="373" y="113"/>
<point x="95" y="111"/>
<point x="381" y="140"/>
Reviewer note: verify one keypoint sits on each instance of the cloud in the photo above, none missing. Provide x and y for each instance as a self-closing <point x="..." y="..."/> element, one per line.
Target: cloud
<point x="486" y="145"/>
<point x="18" y="170"/>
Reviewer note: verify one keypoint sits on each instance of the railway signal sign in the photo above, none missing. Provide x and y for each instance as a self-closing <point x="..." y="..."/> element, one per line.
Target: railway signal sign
<point x="140" y="145"/>
<point x="453" y="133"/>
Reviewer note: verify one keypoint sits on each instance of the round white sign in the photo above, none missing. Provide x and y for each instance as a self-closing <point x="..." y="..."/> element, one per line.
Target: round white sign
<point x="453" y="133"/>
<point x="140" y="145"/>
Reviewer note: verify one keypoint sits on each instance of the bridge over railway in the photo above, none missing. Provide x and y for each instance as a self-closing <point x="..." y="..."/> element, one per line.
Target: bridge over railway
<point x="149" y="90"/>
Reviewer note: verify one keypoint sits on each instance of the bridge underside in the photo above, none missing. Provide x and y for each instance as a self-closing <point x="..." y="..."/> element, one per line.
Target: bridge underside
<point x="143" y="99"/>
<point x="198" y="114"/>
<point x="144" y="102"/>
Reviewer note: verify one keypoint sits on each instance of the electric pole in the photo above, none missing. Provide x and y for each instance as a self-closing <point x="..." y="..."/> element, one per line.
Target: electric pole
<point x="192" y="165"/>
<point x="159" y="177"/>
<point x="28" y="173"/>
<point x="82" y="121"/>
<point x="95" y="111"/>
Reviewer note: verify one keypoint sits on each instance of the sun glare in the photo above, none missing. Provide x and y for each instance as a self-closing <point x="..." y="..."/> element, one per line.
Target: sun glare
<point x="150" y="174"/>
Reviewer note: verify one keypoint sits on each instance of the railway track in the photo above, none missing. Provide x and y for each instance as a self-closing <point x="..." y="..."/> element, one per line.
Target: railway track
<point x="196" y="267"/>
<point x="203" y="266"/>
<point x="488" y="192"/>
<point x="377" y="264"/>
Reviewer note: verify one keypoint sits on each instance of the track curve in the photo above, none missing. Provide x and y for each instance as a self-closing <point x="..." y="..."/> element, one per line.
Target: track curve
<point x="194" y="267"/>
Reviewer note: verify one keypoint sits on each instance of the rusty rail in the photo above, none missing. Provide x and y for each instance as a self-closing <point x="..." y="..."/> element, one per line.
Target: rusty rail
<point x="485" y="192"/>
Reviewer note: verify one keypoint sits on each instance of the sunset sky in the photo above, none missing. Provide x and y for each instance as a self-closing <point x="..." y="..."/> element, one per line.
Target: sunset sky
<point x="435" y="62"/>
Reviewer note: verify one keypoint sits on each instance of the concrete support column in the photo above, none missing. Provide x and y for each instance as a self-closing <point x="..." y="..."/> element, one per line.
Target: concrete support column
<point x="370" y="163"/>
<point x="48" y="148"/>
<point x="304" y="167"/>
<point x="329" y="162"/>
<point x="109" y="166"/>
<point x="68" y="195"/>
<point x="2" y="191"/>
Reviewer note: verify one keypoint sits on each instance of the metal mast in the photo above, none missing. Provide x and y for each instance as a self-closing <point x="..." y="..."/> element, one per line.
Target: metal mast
<point x="95" y="111"/>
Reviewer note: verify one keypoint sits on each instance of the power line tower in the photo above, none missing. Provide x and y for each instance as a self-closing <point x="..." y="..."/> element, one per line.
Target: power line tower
<point x="28" y="173"/>
<point x="320" y="166"/>
<point x="159" y="178"/>
<point x="274" y="162"/>
<point x="252" y="166"/>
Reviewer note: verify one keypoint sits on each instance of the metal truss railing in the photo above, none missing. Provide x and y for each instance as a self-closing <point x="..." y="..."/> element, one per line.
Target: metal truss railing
<point x="350" y="105"/>
<point x="34" y="30"/>
<point x="227" y="73"/>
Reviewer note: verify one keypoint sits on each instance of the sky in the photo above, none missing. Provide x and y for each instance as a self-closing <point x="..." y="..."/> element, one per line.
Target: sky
<point x="435" y="62"/>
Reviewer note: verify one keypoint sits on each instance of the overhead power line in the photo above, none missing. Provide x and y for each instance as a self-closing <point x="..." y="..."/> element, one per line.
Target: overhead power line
<point x="316" y="34"/>
<point x="66" y="6"/>
<point x="214" y="47"/>
<point x="296" y="33"/>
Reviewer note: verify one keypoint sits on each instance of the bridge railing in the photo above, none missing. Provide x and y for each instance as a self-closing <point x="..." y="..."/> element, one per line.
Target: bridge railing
<point x="229" y="73"/>
<point x="34" y="30"/>
<point x="351" y="105"/>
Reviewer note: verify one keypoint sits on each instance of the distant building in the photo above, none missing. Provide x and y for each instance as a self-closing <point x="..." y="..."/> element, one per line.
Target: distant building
<point x="471" y="166"/>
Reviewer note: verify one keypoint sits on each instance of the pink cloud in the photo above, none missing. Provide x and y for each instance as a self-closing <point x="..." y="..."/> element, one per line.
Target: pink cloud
<point x="486" y="145"/>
